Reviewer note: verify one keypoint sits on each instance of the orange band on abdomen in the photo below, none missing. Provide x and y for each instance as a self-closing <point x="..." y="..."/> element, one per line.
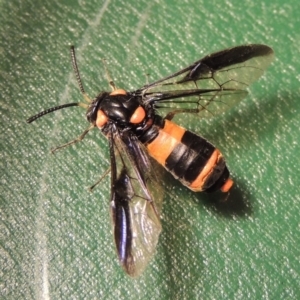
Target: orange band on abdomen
<point x="197" y="184"/>
<point x="174" y="130"/>
<point x="162" y="146"/>
<point x="227" y="185"/>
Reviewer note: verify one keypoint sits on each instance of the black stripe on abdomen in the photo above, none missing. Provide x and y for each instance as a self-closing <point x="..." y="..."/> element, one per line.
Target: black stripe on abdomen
<point x="189" y="157"/>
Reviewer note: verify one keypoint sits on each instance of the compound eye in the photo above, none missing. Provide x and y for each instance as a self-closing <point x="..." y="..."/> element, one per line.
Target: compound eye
<point x="101" y="119"/>
<point x="138" y="116"/>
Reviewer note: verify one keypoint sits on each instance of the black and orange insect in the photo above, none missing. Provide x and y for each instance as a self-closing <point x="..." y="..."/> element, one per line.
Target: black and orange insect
<point x="138" y="124"/>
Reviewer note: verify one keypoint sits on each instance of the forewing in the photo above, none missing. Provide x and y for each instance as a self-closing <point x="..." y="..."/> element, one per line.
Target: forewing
<point x="136" y="200"/>
<point x="212" y="84"/>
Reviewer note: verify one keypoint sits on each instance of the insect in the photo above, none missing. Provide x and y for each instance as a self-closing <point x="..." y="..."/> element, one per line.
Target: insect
<point x="138" y="125"/>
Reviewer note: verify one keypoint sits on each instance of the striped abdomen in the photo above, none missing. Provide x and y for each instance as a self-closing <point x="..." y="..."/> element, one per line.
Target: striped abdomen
<point x="190" y="158"/>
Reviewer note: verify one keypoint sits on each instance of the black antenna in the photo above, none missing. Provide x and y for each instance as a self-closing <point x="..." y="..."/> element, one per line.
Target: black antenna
<point x="86" y="97"/>
<point x="77" y="75"/>
<point x="75" y="68"/>
<point x="50" y="110"/>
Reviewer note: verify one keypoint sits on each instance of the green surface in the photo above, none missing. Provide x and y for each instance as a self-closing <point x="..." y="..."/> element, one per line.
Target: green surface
<point x="55" y="237"/>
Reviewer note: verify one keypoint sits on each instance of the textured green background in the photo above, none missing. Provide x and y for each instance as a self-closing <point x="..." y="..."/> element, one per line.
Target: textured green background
<point x="55" y="237"/>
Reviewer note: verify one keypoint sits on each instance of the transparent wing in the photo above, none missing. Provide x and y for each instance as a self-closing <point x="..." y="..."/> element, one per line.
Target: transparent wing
<point x="136" y="200"/>
<point x="212" y="84"/>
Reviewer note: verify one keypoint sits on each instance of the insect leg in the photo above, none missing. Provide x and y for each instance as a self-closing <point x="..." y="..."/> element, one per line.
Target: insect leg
<point x="100" y="179"/>
<point x="80" y="138"/>
<point x="172" y="114"/>
<point x="147" y="78"/>
<point x="108" y="77"/>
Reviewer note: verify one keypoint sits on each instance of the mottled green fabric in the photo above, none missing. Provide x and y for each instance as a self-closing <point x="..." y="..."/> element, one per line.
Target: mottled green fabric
<point x="55" y="236"/>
